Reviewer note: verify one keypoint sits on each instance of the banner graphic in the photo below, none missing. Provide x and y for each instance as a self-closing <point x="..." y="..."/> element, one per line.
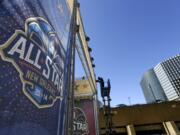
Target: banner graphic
<point x="34" y="52"/>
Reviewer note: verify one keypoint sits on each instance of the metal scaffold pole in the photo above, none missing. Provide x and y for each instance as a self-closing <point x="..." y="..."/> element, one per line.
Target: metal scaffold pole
<point x="105" y="93"/>
<point x="79" y="41"/>
<point x="69" y="118"/>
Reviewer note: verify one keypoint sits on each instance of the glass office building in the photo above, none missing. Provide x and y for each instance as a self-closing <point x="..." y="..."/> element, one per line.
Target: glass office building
<point x="152" y="88"/>
<point x="163" y="81"/>
<point x="168" y="73"/>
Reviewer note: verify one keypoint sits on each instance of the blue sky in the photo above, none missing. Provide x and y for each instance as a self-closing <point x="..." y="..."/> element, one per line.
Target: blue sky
<point x="128" y="37"/>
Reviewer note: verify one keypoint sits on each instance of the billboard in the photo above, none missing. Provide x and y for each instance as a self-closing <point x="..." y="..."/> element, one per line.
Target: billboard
<point x="34" y="54"/>
<point x="84" y="117"/>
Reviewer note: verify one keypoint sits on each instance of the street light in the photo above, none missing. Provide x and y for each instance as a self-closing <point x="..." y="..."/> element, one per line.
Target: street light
<point x="87" y="38"/>
<point x="93" y="65"/>
<point x="92" y="59"/>
<point x="89" y="49"/>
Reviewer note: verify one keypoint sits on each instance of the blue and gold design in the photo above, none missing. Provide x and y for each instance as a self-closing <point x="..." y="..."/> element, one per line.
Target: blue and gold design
<point x="34" y="54"/>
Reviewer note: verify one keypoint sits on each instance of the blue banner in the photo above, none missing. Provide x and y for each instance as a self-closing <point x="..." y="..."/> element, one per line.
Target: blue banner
<point x="34" y="54"/>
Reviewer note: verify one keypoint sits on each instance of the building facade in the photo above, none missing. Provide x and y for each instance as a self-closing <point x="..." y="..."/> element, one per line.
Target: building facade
<point x="163" y="81"/>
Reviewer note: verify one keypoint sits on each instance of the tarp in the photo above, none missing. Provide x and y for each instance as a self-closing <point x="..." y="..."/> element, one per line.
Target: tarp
<point x="34" y="54"/>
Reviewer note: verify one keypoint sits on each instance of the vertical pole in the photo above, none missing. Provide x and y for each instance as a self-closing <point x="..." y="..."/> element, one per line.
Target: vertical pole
<point x="95" y="102"/>
<point x="109" y="116"/>
<point x="129" y="99"/>
<point x="106" y="115"/>
<point x="171" y="128"/>
<point x="71" y="68"/>
<point x="130" y="130"/>
<point x="72" y="91"/>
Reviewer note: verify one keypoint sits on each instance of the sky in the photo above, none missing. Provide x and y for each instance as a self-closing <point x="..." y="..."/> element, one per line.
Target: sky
<point x="128" y="37"/>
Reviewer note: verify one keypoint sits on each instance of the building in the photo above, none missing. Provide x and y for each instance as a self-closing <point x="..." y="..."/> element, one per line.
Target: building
<point x="168" y="73"/>
<point x="148" y="119"/>
<point x="163" y="81"/>
<point x="152" y="88"/>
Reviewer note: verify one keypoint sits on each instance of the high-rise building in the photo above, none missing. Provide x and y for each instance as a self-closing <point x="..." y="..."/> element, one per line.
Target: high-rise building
<point x="152" y="88"/>
<point x="168" y="73"/>
<point x="163" y="79"/>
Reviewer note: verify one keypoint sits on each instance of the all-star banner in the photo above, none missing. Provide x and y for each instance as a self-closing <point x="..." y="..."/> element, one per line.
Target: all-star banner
<point x="34" y="52"/>
<point x="84" y="118"/>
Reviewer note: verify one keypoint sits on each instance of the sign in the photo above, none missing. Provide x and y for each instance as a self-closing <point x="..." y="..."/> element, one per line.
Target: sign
<point x="84" y="117"/>
<point x="34" y="54"/>
<point x="80" y="122"/>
